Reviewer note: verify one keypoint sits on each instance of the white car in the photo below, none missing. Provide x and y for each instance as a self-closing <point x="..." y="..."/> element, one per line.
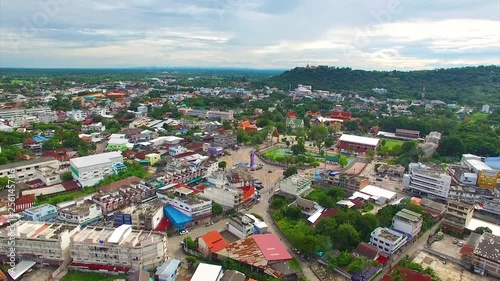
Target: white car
<point x="182" y="232"/>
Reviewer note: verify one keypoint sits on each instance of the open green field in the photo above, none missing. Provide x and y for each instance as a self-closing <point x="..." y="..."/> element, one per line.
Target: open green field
<point x="478" y="116"/>
<point x="389" y="144"/>
<point x="86" y="276"/>
<point x="19" y="82"/>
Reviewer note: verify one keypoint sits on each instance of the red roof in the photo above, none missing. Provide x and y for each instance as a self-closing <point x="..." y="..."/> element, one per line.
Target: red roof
<point x="408" y="275"/>
<point x="185" y="154"/>
<point x="248" y="192"/>
<point x="328" y="213"/>
<point x="70" y="185"/>
<point x="25" y="199"/>
<point x="101" y="267"/>
<point x="382" y="259"/>
<point x="271" y="247"/>
<point x="367" y="250"/>
<point x="291" y="114"/>
<point x="342" y="115"/>
<point x="215" y="242"/>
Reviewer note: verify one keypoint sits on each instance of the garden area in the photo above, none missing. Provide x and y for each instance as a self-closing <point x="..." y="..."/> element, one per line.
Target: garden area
<point x="300" y="158"/>
<point x="84" y="276"/>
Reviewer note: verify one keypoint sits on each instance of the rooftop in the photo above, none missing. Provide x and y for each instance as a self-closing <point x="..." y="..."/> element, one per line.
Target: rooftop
<point x="367" y="250"/>
<point x="215" y="242"/>
<point x="360" y="140"/>
<point x="488" y="247"/>
<point x="409" y="215"/>
<point x="388" y="234"/>
<point x="96" y="159"/>
<point x="27" y="163"/>
<point x="167" y="268"/>
<point x="207" y="272"/>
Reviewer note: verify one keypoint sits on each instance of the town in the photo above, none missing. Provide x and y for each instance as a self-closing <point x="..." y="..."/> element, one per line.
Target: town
<point x="154" y="178"/>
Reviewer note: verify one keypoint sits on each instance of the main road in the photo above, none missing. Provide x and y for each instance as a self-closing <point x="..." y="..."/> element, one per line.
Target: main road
<point x="269" y="176"/>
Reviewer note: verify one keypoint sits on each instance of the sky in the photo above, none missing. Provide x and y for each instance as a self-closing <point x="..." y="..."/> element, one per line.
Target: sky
<point x="278" y="34"/>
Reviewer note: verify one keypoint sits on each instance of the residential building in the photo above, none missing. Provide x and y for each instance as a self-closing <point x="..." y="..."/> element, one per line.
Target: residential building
<point x="121" y="249"/>
<point x="210" y="243"/>
<point x="187" y="203"/>
<point x="82" y="213"/>
<point x="225" y="140"/>
<point x="48" y="175"/>
<point x="406" y="275"/>
<point x="357" y="144"/>
<point x="241" y="226"/>
<point x="480" y="253"/>
<point x="207" y="272"/>
<point x="366" y="250"/>
<point x="387" y="240"/>
<point x="97" y="127"/>
<point x="432" y="208"/>
<point x="44" y="243"/>
<point x="427" y="180"/>
<point x="41" y="213"/>
<point x="176" y="150"/>
<point x="349" y="183"/>
<point x="145" y="216"/>
<point x="25" y="170"/>
<point x="76" y="115"/>
<point x="119" y="144"/>
<point x="89" y="170"/>
<point x="379" y="91"/>
<point x="168" y="270"/>
<point x="8" y="114"/>
<point x="485" y="109"/>
<point x="264" y="253"/>
<point x="152" y="158"/>
<point x="457" y="216"/>
<point x="295" y="186"/>
<point x="225" y="196"/>
<point x="407" y="222"/>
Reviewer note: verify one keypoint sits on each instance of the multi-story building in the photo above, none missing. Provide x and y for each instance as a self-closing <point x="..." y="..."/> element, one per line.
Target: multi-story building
<point x="457" y="216"/>
<point x="145" y="216"/>
<point x="17" y="113"/>
<point x="82" y="213"/>
<point x="45" y="243"/>
<point x="349" y="183"/>
<point x="295" y="185"/>
<point x="98" y="127"/>
<point x="225" y="196"/>
<point x="176" y="150"/>
<point x="122" y="248"/>
<point x="89" y="170"/>
<point x="76" y="115"/>
<point x="42" y="213"/>
<point x="427" y="180"/>
<point x="25" y="170"/>
<point x="486" y="176"/>
<point x="241" y="226"/>
<point x="48" y="175"/>
<point x="190" y="205"/>
<point x="225" y="140"/>
<point x="480" y="252"/>
<point x="407" y="222"/>
<point x="357" y="143"/>
<point x="387" y="240"/>
<point x="223" y="115"/>
<point x="432" y="208"/>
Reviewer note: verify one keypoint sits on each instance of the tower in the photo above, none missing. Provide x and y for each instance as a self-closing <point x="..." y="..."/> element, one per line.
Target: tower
<point x="252" y="158"/>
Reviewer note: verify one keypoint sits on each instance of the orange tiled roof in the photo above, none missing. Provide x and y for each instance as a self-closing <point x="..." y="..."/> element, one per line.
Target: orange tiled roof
<point x="214" y="241"/>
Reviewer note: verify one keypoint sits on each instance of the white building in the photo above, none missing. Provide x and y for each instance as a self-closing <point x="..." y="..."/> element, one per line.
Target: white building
<point x="427" y="180"/>
<point x="76" y="115"/>
<point x="207" y="272"/>
<point x="485" y="109"/>
<point x="120" y="247"/>
<point x="176" y="150"/>
<point x="89" y="170"/>
<point x="17" y="113"/>
<point x="194" y="207"/>
<point x="227" y="197"/>
<point x="26" y="170"/>
<point x="82" y="213"/>
<point x="98" y="127"/>
<point x="241" y="226"/>
<point x="295" y="185"/>
<point x="387" y="240"/>
<point x="41" y="242"/>
<point x="379" y="91"/>
<point x="407" y="222"/>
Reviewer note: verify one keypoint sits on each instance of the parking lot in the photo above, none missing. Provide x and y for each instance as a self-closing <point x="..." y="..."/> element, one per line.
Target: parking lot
<point x="448" y="247"/>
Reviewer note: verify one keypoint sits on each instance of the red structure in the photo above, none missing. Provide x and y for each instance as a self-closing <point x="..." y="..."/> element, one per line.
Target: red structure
<point x="357" y="144"/>
<point x="343" y="115"/>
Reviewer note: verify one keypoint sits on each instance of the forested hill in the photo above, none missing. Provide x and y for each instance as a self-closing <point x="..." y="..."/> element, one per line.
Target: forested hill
<point x="466" y="85"/>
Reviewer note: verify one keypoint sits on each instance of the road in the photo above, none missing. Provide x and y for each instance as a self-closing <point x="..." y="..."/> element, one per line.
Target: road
<point x="269" y="176"/>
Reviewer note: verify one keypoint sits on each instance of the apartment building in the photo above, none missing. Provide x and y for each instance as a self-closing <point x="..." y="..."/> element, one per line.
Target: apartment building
<point x="427" y="180"/>
<point x="432" y="208"/>
<point x="225" y="140"/>
<point x="225" y="196"/>
<point x="387" y="240"/>
<point x="480" y="252"/>
<point x="457" y="216"/>
<point x="120" y="248"/>
<point x="18" y="113"/>
<point x="44" y="243"/>
<point x="240" y="226"/>
<point x="122" y="194"/>
<point x="187" y="203"/>
<point x="89" y="170"/>
<point x="178" y="172"/>
<point x="25" y="170"/>
<point x="41" y="213"/>
<point x="145" y="216"/>
<point x="97" y="127"/>
<point x="407" y="222"/>
<point x="48" y="175"/>
<point x="76" y="115"/>
<point x="82" y="213"/>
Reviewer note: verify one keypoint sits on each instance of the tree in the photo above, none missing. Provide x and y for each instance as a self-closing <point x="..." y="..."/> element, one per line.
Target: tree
<point x="482" y="230"/>
<point x="217" y="209"/>
<point x="346" y="237"/>
<point x="326" y="227"/>
<point x="343" y="162"/>
<point x="226" y="125"/>
<point x="292" y="170"/>
<point x="451" y="146"/>
<point x="51" y="144"/>
<point x="66" y="176"/>
<point x="336" y="193"/>
<point x="350" y="126"/>
<point x="326" y="202"/>
<point x="190" y="243"/>
<point x="4" y="181"/>
<point x="357" y="265"/>
<point x="222" y="165"/>
<point x="396" y="275"/>
<point x="297" y="149"/>
<point x="292" y="212"/>
<point x="318" y="134"/>
<point x="370" y="154"/>
<point x="329" y="142"/>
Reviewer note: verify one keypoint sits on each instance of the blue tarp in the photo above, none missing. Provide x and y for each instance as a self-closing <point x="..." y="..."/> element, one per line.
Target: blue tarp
<point x="40" y="139"/>
<point x="178" y="219"/>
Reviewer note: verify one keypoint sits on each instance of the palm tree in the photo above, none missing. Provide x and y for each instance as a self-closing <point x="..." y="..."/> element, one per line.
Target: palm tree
<point x="396" y="275"/>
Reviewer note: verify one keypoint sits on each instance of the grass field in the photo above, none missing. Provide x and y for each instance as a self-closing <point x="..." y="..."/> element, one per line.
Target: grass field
<point x="86" y="276"/>
<point x="389" y="144"/>
<point x="478" y="116"/>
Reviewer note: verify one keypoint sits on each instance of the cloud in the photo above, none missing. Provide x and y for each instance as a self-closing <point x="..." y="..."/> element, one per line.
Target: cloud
<point x="379" y="34"/>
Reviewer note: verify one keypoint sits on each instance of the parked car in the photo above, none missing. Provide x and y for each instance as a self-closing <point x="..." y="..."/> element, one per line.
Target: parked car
<point x="460" y="244"/>
<point x="182" y="232"/>
<point x="455" y="241"/>
<point x="270" y="172"/>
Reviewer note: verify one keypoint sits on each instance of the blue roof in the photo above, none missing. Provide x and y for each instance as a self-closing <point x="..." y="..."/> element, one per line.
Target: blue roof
<point x="178" y="218"/>
<point x="493" y="162"/>
<point x="40" y="139"/>
<point x="167" y="268"/>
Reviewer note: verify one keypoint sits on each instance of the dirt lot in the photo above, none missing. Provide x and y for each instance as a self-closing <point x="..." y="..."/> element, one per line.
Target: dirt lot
<point x="356" y="168"/>
<point x="448" y="271"/>
<point x="38" y="274"/>
<point x="447" y="247"/>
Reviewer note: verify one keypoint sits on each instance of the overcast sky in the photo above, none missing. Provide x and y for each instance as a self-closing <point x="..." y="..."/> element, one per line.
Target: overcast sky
<point x="366" y="34"/>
